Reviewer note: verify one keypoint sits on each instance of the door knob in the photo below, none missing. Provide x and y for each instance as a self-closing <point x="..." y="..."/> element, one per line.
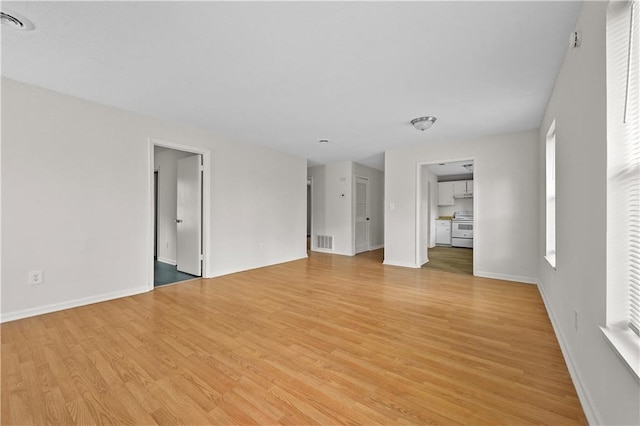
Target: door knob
<point x="178" y="220"/>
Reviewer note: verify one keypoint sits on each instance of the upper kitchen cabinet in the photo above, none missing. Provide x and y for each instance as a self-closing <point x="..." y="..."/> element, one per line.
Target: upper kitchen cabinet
<point x="445" y="193"/>
<point x="463" y="189"/>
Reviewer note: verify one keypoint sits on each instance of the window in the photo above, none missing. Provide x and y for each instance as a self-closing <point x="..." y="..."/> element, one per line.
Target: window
<point x="550" y="239"/>
<point x="623" y="180"/>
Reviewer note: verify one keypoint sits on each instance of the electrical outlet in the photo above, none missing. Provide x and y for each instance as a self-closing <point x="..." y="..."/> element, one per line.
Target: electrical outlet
<point x="575" y="320"/>
<point x="35" y="277"/>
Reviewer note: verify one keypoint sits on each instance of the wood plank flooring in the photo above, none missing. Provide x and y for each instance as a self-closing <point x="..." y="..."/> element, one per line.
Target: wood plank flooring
<point x="325" y="340"/>
<point x="451" y="259"/>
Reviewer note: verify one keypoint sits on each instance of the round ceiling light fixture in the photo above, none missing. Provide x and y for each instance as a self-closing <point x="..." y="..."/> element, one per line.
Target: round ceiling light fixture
<point x="15" y="20"/>
<point x="323" y="140"/>
<point x="423" y="123"/>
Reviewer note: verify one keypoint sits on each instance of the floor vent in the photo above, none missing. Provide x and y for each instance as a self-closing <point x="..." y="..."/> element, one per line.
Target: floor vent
<point x="324" y="242"/>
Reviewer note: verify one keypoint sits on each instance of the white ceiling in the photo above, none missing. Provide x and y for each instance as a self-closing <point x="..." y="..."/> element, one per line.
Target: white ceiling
<point x="455" y="168"/>
<point x="285" y="74"/>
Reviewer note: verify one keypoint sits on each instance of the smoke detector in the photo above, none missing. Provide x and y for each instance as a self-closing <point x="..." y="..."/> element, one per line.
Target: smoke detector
<point x="15" y="21"/>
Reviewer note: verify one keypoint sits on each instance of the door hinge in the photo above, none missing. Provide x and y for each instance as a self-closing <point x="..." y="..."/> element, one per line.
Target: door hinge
<point x="202" y="168"/>
<point x="201" y="256"/>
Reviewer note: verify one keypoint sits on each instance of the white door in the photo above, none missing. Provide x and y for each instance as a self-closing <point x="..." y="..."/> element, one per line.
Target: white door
<point x="189" y="215"/>
<point x="362" y="218"/>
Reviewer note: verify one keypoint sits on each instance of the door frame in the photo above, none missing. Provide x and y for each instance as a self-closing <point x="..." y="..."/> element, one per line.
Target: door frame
<point x="310" y="203"/>
<point x="418" y="200"/>
<point x="353" y="216"/>
<point x="206" y="202"/>
<point x="156" y="181"/>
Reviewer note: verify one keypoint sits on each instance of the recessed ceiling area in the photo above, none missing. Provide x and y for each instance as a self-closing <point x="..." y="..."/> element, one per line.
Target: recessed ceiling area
<point x="454" y="168"/>
<point x="286" y="74"/>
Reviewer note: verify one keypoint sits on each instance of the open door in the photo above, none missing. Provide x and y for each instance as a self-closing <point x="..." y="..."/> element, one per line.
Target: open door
<point x="189" y="215"/>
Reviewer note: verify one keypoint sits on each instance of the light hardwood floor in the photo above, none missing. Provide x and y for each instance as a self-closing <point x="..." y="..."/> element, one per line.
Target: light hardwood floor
<point x="451" y="259"/>
<point x="326" y="340"/>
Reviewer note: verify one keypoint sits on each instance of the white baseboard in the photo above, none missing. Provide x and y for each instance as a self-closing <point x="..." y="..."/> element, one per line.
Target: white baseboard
<point x="221" y="273"/>
<point x="26" y="313"/>
<point x="403" y="264"/>
<point x="593" y="416"/>
<point x="376" y="247"/>
<point x="506" y="277"/>
<point x="319" y="250"/>
<point x="168" y="261"/>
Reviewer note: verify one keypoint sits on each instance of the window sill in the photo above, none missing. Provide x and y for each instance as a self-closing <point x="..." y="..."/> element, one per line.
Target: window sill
<point x="551" y="260"/>
<point x="627" y="345"/>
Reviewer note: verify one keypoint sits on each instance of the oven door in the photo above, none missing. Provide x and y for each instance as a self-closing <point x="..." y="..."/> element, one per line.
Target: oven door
<point x="462" y="229"/>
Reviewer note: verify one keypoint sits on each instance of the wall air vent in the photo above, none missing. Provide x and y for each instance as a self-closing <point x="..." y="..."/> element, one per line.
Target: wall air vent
<point x="324" y="242"/>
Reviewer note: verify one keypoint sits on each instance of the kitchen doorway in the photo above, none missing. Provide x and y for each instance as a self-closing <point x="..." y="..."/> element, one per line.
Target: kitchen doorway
<point x="445" y="219"/>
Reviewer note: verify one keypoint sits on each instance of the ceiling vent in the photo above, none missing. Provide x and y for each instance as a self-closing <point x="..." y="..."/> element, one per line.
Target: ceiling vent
<point x="16" y="21"/>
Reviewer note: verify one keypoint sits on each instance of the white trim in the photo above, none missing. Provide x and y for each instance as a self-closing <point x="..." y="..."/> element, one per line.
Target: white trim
<point x="25" y="313"/>
<point x="329" y="251"/>
<point x="626" y="345"/>
<point x="551" y="260"/>
<point x="353" y="213"/>
<point x="276" y="262"/>
<point x="168" y="261"/>
<point x="507" y="277"/>
<point x="590" y="410"/>
<point x="312" y="243"/>
<point x="417" y="207"/>
<point x="402" y="264"/>
<point x="206" y="201"/>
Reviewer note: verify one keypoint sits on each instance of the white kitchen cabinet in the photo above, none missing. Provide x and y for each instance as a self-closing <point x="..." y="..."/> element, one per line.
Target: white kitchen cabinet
<point x="445" y="194"/>
<point x="463" y="188"/>
<point x="443" y="232"/>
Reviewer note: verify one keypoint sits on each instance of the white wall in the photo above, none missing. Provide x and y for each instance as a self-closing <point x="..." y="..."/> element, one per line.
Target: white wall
<point x="459" y="204"/>
<point x="433" y="205"/>
<point x="609" y="393"/>
<point x="505" y="198"/>
<point x="428" y="186"/>
<point x="166" y="163"/>
<point x="332" y="205"/>
<point x="76" y="201"/>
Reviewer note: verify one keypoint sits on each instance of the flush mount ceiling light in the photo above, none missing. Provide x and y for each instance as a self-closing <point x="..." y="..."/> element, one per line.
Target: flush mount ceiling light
<point x="15" y="20"/>
<point x="323" y="140"/>
<point x="423" y="123"/>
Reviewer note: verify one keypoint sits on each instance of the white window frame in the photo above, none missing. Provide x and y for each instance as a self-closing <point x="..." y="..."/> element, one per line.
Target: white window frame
<point x="623" y="182"/>
<point x="550" y="196"/>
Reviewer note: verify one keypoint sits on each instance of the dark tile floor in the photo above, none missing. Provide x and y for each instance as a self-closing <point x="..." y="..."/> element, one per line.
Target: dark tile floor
<point x="163" y="273"/>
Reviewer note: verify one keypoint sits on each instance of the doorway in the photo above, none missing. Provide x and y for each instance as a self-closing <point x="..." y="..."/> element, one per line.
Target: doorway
<point x="309" y="212"/>
<point x="155" y="216"/>
<point x="361" y="214"/>
<point x="446" y="202"/>
<point x="180" y="212"/>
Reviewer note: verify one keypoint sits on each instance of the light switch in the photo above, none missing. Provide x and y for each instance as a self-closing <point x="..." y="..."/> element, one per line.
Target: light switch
<point x="392" y="206"/>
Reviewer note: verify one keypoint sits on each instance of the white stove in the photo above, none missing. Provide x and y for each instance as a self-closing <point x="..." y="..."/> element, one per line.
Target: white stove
<point x="462" y="229"/>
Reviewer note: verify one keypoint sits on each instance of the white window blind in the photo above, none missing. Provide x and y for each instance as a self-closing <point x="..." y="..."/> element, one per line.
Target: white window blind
<point x="623" y="159"/>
